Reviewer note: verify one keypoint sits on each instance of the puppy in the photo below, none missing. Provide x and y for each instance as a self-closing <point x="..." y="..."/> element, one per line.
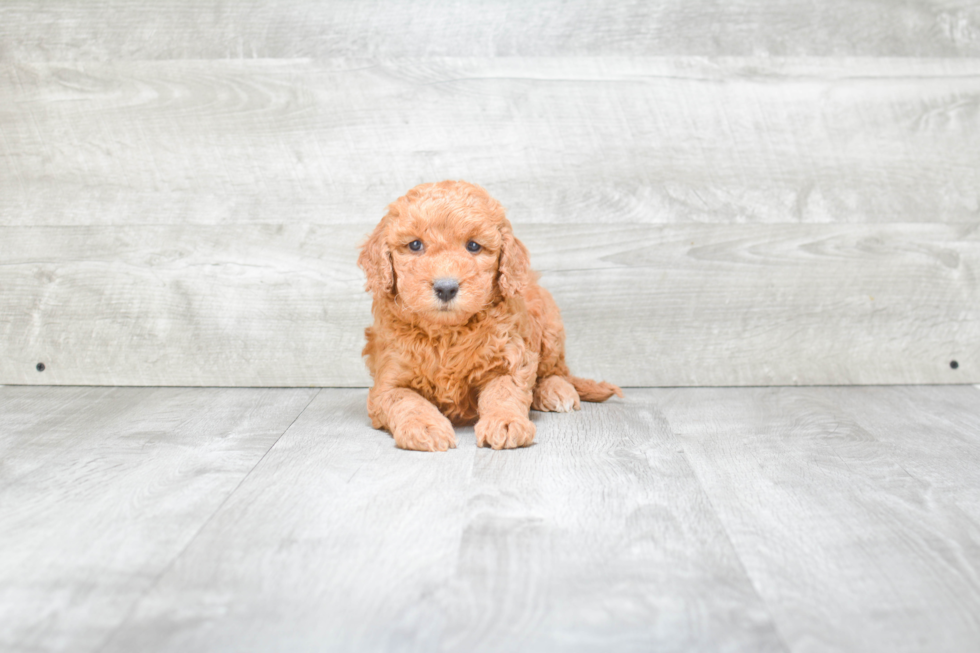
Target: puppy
<point x="462" y="332"/>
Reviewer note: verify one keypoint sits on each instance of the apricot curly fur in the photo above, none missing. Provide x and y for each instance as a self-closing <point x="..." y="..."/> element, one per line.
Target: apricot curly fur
<point x="485" y="356"/>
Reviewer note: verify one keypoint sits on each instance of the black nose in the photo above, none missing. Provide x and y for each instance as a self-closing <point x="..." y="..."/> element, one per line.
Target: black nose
<point x="445" y="289"/>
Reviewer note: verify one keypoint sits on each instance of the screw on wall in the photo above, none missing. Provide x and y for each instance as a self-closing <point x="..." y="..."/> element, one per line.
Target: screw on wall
<point x="954" y="364"/>
<point x="40" y="367"/>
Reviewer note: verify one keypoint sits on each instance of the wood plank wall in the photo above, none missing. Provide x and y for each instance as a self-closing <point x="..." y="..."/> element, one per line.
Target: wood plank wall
<point x="744" y="193"/>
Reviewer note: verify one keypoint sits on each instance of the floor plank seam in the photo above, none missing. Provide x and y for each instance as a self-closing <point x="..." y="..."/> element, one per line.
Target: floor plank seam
<point x="193" y="538"/>
<point x="731" y="542"/>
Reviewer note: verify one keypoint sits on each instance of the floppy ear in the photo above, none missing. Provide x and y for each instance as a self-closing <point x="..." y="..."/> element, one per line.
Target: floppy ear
<point x="375" y="260"/>
<point x="514" y="268"/>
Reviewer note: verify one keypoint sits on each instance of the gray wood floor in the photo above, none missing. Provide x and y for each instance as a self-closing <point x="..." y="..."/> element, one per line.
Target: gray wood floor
<point x="752" y="519"/>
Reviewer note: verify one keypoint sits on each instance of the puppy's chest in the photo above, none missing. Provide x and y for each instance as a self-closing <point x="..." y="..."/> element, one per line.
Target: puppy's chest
<point x="449" y="367"/>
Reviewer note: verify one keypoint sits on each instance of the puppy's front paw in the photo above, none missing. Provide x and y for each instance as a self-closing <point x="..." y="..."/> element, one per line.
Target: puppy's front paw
<point x="420" y="433"/>
<point x="504" y="432"/>
<point x="554" y="394"/>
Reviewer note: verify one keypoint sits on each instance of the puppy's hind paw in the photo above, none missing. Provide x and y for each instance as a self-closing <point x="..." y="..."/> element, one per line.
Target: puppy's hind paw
<point x="553" y="394"/>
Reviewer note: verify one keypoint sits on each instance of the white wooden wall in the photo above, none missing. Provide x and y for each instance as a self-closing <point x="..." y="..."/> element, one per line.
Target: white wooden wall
<point x="743" y="193"/>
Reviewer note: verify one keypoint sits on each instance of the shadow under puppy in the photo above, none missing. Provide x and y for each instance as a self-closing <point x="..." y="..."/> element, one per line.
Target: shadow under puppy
<point x="462" y="332"/>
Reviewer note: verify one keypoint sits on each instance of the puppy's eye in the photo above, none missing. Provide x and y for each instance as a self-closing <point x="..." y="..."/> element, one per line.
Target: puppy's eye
<point x="415" y="245"/>
<point x="473" y="246"/>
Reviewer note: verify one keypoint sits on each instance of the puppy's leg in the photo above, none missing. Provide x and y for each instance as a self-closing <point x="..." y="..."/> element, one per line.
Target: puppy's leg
<point x="504" y="423"/>
<point x="412" y="420"/>
<point x="554" y="394"/>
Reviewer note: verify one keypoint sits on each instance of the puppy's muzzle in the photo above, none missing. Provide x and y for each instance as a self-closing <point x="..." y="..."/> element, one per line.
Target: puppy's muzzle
<point x="445" y="289"/>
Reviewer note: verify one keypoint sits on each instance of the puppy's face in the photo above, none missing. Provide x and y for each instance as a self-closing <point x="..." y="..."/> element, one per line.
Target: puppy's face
<point x="443" y="253"/>
<point x="445" y="260"/>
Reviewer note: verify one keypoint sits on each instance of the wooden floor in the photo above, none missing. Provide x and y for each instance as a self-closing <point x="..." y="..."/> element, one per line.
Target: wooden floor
<point x="753" y="519"/>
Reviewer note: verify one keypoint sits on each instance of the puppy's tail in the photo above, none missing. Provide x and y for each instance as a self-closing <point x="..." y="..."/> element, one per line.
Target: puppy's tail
<point x="589" y="390"/>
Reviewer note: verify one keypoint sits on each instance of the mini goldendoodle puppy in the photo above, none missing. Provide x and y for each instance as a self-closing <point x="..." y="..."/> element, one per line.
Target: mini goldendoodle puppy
<point x="462" y="331"/>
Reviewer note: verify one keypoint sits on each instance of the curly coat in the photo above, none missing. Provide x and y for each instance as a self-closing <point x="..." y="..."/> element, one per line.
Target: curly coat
<point x="462" y="331"/>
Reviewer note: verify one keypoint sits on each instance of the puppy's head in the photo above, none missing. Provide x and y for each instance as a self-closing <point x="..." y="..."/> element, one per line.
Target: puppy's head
<point x="444" y="252"/>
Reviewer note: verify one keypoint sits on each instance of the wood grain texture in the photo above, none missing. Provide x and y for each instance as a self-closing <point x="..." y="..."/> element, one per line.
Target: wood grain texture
<point x="137" y="29"/>
<point x="947" y="464"/>
<point x="336" y="543"/>
<point x="855" y="510"/>
<point x="557" y="140"/>
<point x="596" y="538"/>
<point x="262" y="306"/>
<point x="741" y="519"/>
<point x="274" y="305"/>
<point x="102" y="488"/>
